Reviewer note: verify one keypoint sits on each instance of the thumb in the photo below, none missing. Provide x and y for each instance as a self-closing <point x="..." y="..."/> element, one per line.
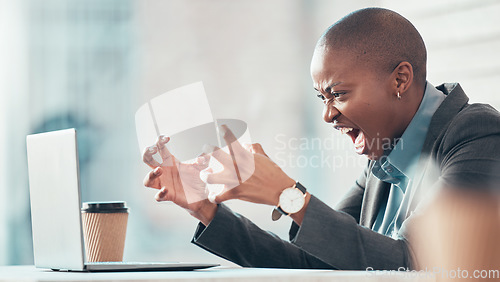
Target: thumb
<point x="205" y="174"/>
<point x="224" y="196"/>
<point x="157" y="171"/>
<point x="256" y="148"/>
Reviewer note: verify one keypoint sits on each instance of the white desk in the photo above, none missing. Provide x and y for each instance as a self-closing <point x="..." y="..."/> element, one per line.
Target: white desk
<point x="30" y="274"/>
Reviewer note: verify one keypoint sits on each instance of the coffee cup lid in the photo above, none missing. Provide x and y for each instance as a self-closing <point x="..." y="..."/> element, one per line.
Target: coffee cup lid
<point x="104" y="207"/>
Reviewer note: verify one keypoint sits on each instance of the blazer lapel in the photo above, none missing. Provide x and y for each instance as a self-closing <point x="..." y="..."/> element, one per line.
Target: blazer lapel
<point x="376" y="191"/>
<point x="427" y="172"/>
<point x="449" y="108"/>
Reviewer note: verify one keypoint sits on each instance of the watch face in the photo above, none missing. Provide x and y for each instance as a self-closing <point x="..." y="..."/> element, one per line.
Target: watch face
<point x="291" y="200"/>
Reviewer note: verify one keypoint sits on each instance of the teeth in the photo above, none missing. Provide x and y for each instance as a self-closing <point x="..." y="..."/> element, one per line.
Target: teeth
<point x="344" y="130"/>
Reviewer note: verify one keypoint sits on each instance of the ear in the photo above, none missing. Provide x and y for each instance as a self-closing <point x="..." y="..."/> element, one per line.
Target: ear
<point x="403" y="76"/>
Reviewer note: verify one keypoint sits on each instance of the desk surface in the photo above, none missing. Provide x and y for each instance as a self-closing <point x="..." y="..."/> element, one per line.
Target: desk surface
<point x="30" y="273"/>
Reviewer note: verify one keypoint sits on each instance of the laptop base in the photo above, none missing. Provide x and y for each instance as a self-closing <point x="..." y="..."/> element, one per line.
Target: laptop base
<point x="138" y="266"/>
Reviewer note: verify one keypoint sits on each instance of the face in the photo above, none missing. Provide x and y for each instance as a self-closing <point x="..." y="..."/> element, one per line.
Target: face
<point x="358" y="101"/>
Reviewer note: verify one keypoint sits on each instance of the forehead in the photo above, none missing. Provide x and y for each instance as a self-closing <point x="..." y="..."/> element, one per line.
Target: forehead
<point x="329" y="66"/>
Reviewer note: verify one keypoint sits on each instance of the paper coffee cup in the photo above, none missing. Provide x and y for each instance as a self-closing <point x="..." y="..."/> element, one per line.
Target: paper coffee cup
<point x="104" y="230"/>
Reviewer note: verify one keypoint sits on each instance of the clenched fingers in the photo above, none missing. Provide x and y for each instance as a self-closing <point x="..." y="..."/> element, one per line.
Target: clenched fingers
<point x="165" y="154"/>
<point x="147" y="156"/>
<point x="161" y="195"/>
<point x="219" y="154"/>
<point x="152" y="178"/>
<point x="231" y="141"/>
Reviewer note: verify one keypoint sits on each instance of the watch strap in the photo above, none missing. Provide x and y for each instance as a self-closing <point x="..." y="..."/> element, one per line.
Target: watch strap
<point x="276" y="214"/>
<point x="282" y="211"/>
<point x="300" y="187"/>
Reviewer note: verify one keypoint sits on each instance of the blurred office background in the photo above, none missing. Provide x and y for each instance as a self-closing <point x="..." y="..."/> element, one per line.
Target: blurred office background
<point x="91" y="64"/>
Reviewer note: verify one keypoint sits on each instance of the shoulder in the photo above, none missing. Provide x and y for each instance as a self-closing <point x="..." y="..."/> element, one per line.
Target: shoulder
<point x="468" y="151"/>
<point x="472" y="122"/>
<point x="478" y="112"/>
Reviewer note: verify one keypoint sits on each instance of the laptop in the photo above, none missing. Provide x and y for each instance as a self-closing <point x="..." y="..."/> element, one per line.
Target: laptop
<point x="58" y="242"/>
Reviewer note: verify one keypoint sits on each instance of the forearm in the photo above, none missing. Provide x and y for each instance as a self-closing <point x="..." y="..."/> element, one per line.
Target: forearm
<point x="205" y="213"/>
<point x="237" y="239"/>
<point x="337" y="239"/>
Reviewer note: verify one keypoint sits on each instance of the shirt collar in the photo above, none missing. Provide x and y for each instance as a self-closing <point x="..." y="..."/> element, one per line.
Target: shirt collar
<point x="397" y="166"/>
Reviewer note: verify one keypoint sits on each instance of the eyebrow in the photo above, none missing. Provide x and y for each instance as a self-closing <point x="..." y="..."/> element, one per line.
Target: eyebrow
<point x="329" y="87"/>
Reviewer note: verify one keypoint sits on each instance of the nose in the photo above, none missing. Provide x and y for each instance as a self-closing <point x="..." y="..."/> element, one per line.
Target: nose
<point x="330" y="113"/>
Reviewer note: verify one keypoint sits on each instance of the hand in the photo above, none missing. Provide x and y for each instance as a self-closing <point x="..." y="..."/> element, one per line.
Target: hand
<point x="178" y="182"/>
<point x="248" y="174"/>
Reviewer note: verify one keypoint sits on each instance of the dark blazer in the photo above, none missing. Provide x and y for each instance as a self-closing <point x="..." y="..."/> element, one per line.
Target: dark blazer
<point x="462" y="149"/>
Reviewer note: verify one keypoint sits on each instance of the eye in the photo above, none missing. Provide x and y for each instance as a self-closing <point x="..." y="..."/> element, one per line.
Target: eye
<point x="319" y="95"/>
<point x="337" y="94"/>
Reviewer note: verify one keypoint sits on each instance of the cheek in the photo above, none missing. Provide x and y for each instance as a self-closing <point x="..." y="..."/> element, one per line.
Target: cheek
<point x="374" y="119"/>
<point x="370" y="110"/>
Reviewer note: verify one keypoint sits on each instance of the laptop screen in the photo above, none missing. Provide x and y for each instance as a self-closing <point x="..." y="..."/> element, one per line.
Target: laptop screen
<point x="55" y="200"/>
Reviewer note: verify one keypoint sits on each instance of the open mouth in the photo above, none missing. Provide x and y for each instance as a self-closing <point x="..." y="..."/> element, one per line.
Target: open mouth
<point x="357" y="137"/>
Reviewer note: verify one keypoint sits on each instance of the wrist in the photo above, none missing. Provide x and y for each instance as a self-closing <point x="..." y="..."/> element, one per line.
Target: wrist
<point x="298" y="217"/>
<point x="205" y="213"/>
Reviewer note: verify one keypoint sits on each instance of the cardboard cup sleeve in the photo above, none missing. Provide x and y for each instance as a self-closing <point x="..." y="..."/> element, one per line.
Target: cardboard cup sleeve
<point x="104" y="235"/>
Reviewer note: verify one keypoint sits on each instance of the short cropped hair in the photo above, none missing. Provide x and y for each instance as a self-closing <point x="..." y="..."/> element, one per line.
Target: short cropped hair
<point x="380" y="38"/>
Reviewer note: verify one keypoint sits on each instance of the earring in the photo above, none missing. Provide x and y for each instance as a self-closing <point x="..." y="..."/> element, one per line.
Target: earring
<point x="399" y="96"/>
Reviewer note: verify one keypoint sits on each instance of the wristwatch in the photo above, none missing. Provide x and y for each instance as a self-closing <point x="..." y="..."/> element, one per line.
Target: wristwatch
<point x="291" y="200"/>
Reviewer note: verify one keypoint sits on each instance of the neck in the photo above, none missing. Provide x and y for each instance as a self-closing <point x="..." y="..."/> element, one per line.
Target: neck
<point x="409" y="104"/>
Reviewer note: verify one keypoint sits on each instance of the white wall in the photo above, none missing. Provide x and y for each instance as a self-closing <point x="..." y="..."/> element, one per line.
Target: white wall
<point x="14" y="209"/>
<point x="3" y="147"/>
<point x="462" y="39"/>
